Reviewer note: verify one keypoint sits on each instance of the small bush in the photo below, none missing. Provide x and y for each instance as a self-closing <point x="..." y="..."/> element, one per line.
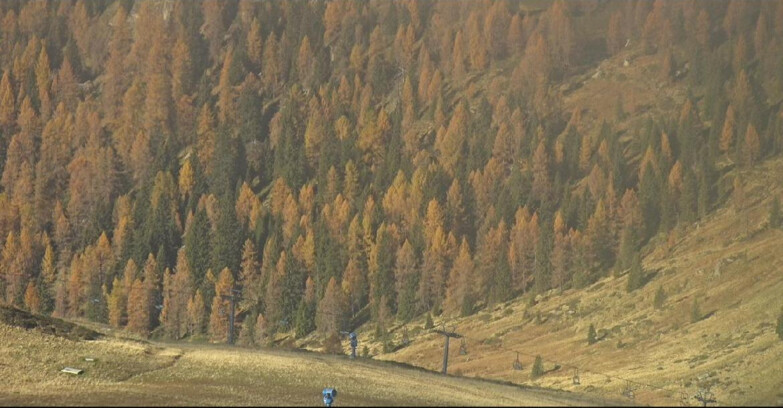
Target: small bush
<point x="437" y="310"/>
<point x="695" y="311"/>
<point x="660" y="298"/>
<point x="492" y="340"/>
<point x="531" y="301"/>
<point x="591" y="336"/>
<point x="775" y="218"/>
<point x="333" y="345"/>
<point x="388" y="346"/>
<point x="428" y="324"/>
<point x="580" y="280"/>
<point x="779" y="329"/>
<point x="538" y="368"/>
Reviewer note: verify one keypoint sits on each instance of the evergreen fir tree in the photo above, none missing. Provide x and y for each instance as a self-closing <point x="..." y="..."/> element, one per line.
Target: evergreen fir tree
<point x="197" y="246"/>
<point x="543" y="250"/>
<point x="688" y="205"/>
<point x="628" y="248"/>
<point x="538" y="368"/>
<point x="226" y="241"/>
<point x="636" y="275"/>
<point x="305" y="318"/>
<point x="668" y="209"/>
<point x="649" y="197"/>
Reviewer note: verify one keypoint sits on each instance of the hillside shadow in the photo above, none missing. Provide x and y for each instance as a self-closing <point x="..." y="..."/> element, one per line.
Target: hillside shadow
<point x="48" y="325"/>
<point x="648" y="277"/>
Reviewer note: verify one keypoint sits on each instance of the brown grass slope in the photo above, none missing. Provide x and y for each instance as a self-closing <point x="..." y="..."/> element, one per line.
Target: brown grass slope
<point x="127" y="372"/>
<point x="730" y="262"/>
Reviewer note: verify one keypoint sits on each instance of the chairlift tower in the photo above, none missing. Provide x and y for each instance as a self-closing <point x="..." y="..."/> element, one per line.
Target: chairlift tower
<point x="232" y="298"/>
<point x="448" y="335"/>
<point x="517" y="365"/>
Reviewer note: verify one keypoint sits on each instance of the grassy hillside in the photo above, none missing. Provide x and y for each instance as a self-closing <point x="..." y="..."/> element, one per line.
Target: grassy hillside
<point x="128" y="372"/>
<point x="730" y="263"/>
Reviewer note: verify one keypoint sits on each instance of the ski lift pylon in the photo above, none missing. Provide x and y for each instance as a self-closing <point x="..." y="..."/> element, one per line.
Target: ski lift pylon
<point x="517" y="364"/>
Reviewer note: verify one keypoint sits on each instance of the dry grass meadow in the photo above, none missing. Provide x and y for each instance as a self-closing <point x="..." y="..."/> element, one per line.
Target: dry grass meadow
<point x="129" y="372"/>
<point x="731" y="263"/>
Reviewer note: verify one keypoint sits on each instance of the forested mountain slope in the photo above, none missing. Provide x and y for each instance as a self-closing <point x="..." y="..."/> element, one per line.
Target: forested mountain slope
<point x="708" y="316"/>
<point x="351" y="162"/>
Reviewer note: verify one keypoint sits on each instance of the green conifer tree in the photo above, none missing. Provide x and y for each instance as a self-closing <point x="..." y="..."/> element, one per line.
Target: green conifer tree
<point x="197" y="246"/>
<point x="305" y="318"/>
<point x="635" y="275"/>
<point x="226" y="239"/>
<point x="538" y="368"/>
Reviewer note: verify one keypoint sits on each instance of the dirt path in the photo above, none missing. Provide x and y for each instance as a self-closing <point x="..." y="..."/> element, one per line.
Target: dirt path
<point x="166" y="365"/>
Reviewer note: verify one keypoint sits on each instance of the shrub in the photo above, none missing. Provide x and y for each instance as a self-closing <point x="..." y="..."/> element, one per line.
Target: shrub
<point x="591" y="336"/>
<point x="538" y="368"/>
<point x="779" y="329"/>
<point x="388" y="345"/>
<point x="695" y="311"/>
<point x="660" y="297"/>
<point x="333" y="345"/>
<point x="428" y="324"/>
<point x="247" y="335"/>
<point x="775" y="218"/>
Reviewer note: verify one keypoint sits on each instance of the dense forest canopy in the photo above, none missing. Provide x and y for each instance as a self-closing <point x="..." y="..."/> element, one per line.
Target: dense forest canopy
<point x="342" y="159"/>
